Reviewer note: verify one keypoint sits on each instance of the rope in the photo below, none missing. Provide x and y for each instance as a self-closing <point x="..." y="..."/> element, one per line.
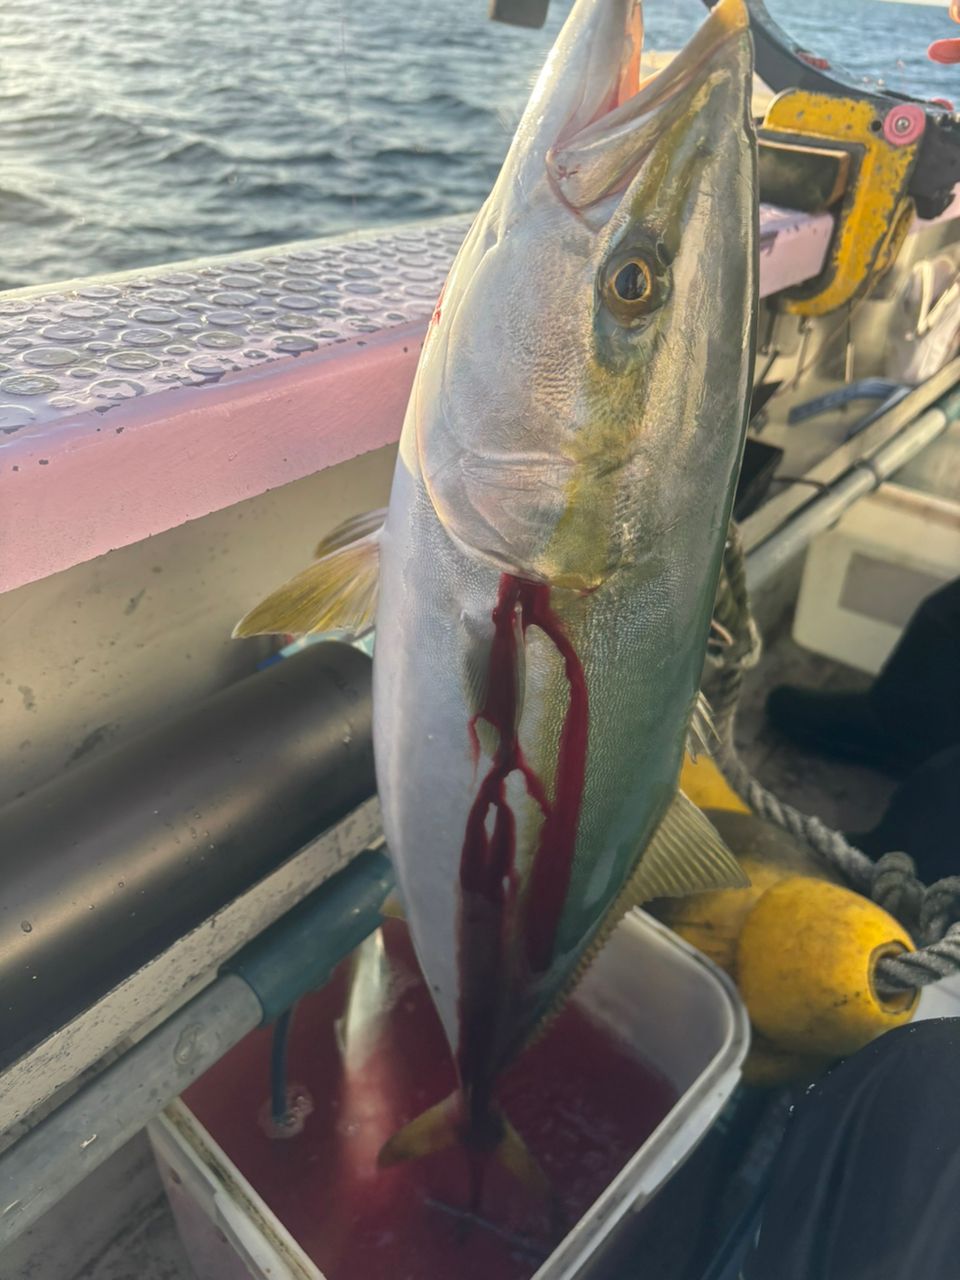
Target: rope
<point x="931" y="915"/>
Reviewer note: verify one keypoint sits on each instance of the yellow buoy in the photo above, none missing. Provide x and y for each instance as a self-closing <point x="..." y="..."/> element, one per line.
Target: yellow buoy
<point x="806" y="964"/>
<point x="768" y="1066"/>
<point x="800" y="946"/>
<point x="712" y="921"/>
<point x="703" y="783"/>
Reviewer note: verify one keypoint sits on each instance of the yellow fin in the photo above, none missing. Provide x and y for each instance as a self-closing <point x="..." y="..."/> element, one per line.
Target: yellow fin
<point x="517" y="1158"/>
<point x="435" y="1129"/>
<point x="701" y="734"/>
<point x="685" y="855"/>
<point x="441" y="1126"/>
<point x="393" y="908"/>
<point x="338" y="593"/>
<point x="351" y="530"/>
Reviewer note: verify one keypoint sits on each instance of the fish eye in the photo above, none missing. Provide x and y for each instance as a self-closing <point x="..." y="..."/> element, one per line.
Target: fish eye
<point x="633" y="287"/>
<point x="634" y="281"/>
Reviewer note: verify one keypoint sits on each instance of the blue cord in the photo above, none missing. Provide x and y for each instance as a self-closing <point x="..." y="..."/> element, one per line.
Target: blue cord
<point x="278" y="1067"/>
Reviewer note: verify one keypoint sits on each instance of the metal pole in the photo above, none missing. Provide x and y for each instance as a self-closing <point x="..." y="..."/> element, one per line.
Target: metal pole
<point x="266" y="978"/>
<point x="54" y="1157"/>
<point x="766" y="560"/>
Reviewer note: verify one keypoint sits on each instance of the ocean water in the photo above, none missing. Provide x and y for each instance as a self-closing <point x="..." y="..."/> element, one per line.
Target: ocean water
<point x="135" y="132"/>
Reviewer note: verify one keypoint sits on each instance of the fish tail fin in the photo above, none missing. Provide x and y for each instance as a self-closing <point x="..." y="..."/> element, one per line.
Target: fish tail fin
<point x="436" y="1129"/>
<point x="517" y="1158"/>
<point x="446" y="1125"/>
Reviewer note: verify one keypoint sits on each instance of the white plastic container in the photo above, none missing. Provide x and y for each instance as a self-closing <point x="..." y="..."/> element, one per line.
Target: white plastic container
<point x="664" y="998"/>
<point x="864" y="578"/>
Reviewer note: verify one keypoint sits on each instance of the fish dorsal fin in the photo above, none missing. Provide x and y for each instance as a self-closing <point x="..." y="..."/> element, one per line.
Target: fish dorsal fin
<point x="337" y="593"/>
<point x="685" y="855"/>
<point x="702" y="733"/>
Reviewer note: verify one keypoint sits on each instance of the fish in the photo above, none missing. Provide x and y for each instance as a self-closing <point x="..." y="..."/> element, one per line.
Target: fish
<point x="542" y="582"/>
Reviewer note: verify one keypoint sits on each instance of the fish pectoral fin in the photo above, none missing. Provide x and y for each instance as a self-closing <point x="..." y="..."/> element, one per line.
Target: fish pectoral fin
<point x="435" y="1129"/>
<point x="477" y="676"/>
<point x="351" y="530"/>
<point x="685" y="855"/>
<point x="702" y="733"/>
<point x="338" y="593"/>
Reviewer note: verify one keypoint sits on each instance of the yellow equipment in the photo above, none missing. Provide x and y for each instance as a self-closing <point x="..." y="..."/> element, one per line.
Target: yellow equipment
<point x="854" y="157"/>
<point x="802" y="948"/>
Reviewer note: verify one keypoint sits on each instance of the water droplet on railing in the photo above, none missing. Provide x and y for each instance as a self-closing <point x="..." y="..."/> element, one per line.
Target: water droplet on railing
<point x="145" y="337"/>
<point x="85" y="310"/>
<point x="50" y="357"/>
<point x="167" y="296"/>
<point x="219" y="338"/>
<point x="155" y="315"/>
<point x="132" y="360"/>
<point x="293" y="345"/>
<point x="26" y="384"/>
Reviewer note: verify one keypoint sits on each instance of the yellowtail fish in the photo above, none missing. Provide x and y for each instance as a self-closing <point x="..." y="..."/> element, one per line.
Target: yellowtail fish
<point x="542" y="585"/>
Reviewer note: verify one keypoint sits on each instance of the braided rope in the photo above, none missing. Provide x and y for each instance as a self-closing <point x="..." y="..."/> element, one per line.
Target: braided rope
<point x="932" y="915"/>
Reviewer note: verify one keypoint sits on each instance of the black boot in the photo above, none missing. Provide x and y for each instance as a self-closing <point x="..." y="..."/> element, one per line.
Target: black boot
<point x="844" y="726"/>
<point x="911" y="711"/>
<point x="922" y="819"/>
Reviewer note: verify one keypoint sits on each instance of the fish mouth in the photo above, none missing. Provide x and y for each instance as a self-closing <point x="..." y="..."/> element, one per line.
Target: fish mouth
<point x="631" y="111"/>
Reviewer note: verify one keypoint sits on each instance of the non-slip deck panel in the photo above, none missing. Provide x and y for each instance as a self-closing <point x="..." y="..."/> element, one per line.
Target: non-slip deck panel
<point x="131" y="404"/>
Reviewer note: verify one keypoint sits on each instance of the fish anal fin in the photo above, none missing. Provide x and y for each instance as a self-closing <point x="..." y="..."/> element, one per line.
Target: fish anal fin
<point x="435" y="1129"/>
<point x="685" y="855"/>
<point x="337" y="593"/>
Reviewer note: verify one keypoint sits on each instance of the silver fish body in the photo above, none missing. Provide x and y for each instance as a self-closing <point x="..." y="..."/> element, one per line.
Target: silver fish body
<point x="557" y="518"/>
<point x="548" y="563"/>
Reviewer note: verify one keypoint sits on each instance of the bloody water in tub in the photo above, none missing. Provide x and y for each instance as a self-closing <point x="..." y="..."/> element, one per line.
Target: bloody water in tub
<point x="369" y="1052"/>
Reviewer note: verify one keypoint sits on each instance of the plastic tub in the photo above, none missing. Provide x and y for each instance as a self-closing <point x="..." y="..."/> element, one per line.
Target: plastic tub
<point x="864" y="578"/>
<point x="663" y="1001"/>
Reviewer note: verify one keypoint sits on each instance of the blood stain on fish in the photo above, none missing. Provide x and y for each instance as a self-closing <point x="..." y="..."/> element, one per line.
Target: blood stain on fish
<point x="488" y="878"/>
